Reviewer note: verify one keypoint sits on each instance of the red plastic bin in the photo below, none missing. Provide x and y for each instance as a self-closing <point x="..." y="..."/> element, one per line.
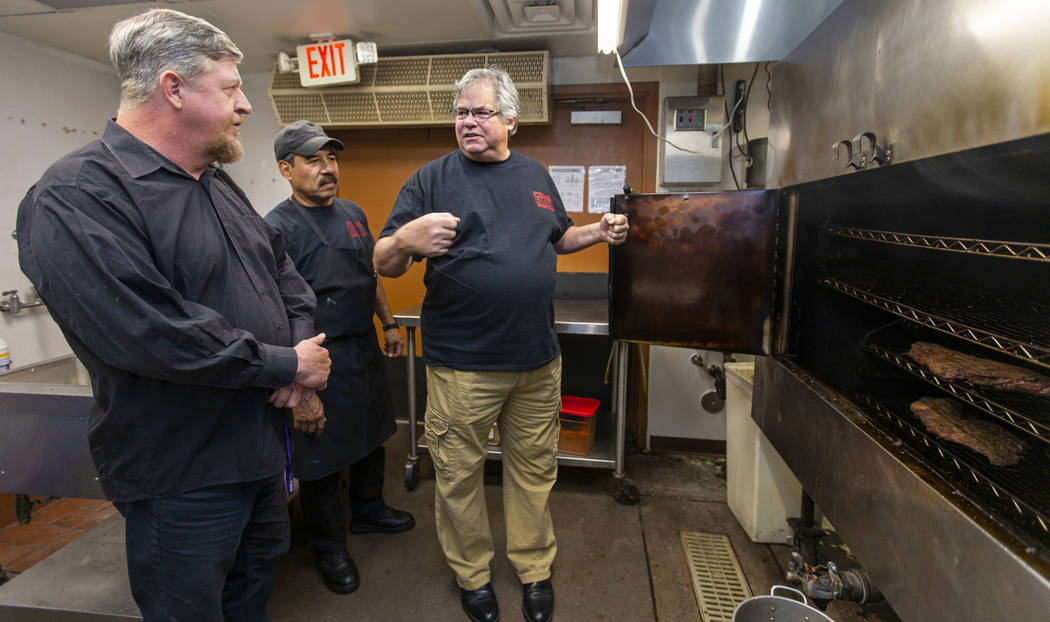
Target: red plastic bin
<point x="577" y="424"/>
<point x="579" y="406"/>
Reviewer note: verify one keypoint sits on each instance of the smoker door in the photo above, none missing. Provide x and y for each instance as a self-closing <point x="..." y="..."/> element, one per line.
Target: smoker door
<point x="696" y="271"/>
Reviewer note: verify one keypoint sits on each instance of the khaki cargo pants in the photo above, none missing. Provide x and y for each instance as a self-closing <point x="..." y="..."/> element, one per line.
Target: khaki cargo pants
<point x="461" y="408"/>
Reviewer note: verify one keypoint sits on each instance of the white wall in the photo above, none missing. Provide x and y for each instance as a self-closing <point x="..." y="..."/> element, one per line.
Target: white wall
<point x="53" y="103"/>
<point x="256" y="172"/>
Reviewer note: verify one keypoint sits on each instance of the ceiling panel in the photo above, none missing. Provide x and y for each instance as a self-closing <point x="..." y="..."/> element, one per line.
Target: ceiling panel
<point x="261" y="28"/>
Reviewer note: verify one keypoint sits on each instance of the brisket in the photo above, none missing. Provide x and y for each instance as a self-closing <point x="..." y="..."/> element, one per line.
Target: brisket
<point x="955" y="366"/>
<point x="947" y="419"/>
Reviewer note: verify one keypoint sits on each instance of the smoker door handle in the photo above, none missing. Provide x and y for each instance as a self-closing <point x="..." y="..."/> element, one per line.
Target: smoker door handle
<point x="853" y="158"/>
<point x="875" y="153"/>
<point x="836" y="150"/>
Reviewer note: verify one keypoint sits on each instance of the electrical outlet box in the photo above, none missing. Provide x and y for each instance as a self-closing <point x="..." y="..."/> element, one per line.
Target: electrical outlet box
<point x="692" y="123"/>
<point x="689" y="119"/>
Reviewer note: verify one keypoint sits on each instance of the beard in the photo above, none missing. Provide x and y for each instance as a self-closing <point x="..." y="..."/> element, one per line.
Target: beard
<point x="225" y="150"/>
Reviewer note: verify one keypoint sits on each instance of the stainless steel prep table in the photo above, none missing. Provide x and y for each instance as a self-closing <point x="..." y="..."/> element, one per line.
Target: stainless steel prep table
<point x="571" y="316"/>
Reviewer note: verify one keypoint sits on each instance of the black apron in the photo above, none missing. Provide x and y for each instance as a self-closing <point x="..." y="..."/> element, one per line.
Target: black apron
<point x="357" y="402"/>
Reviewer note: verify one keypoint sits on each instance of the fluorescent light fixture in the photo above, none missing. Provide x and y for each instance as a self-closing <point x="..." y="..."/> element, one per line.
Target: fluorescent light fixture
<point x="1001" y="20"/>
<point x="611" y="16"/>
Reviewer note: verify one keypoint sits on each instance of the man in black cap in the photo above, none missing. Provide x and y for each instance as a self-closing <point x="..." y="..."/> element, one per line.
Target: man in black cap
<point x="329" y="242"/>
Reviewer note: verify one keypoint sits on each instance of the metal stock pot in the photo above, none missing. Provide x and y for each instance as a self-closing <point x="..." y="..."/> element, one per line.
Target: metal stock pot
<point x="775" y="608"/>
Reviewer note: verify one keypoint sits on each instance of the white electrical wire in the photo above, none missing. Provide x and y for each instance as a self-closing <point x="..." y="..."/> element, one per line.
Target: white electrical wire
<point x="649" y="125"/>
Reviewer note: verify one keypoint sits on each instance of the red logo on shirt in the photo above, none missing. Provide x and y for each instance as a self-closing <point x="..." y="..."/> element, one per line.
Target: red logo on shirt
<point x="543" y="201"/>
<point x="357" y="230"/>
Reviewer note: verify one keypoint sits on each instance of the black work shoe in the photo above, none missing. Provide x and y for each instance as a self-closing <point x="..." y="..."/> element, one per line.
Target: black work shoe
<point x="480" y="604"/>
<point x="387" y="520"/>
<point x="338" y="572"/>
<point x="537" y="601"/>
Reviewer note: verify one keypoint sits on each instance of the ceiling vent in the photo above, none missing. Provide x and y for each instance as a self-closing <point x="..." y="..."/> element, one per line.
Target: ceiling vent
<point x="542" y="16"/>
<point x="410" y="91"/>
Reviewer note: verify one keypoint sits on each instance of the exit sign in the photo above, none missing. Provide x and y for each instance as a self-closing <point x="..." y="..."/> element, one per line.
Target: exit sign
<point x="325" y="63"/>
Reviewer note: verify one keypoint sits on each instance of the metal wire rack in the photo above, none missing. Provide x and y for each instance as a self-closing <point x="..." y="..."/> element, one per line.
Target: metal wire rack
<point x="1028" y="414"/>
<point x="1031" y="251"/>
<point x="1016" y="496"/>
<point x="1010" y="326"/>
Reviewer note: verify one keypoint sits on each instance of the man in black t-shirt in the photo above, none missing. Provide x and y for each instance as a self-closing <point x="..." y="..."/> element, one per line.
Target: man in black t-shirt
<point x="328" y="240"/>
<point x="491" y="223"/>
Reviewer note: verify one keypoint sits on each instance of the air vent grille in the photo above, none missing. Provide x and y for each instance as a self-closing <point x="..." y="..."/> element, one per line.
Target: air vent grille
<point x="402" y="71"/>
<point x="308" y="106"/>
<point x="448" y="69"/>
<point x="409" y="90"/>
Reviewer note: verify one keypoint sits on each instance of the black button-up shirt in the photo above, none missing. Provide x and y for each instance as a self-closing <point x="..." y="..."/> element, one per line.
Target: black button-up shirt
<point x="182" y="304"/>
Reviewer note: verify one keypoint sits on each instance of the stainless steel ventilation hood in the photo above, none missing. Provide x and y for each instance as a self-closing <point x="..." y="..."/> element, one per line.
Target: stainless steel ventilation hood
<point x="700" y="32"/>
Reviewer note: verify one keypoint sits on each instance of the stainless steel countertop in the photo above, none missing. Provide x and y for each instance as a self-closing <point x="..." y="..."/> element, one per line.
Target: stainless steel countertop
<point x="573" y="316"/>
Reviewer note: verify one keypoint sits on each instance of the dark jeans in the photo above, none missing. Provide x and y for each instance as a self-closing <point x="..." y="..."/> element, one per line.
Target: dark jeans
<point x="324" y="512"/>
<point x="208" y="555"/>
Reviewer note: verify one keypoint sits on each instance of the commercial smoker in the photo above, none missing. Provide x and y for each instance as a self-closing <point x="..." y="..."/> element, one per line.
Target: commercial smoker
<point x="909" y="202"/>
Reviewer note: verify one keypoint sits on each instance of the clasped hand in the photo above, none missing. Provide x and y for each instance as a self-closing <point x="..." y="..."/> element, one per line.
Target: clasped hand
<point x="308" y="417"/>
<point x="310" y="375"/>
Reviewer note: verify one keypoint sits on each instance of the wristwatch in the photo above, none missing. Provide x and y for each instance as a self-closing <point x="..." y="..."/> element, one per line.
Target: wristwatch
<point x="389" y="326"/>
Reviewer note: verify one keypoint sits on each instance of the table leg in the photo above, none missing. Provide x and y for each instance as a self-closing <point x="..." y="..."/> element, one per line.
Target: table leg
<point x="625" y="491"/>
<point x="412" y="465"/>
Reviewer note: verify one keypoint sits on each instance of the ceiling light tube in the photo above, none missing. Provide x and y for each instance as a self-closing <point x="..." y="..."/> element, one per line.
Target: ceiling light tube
<point x="611" y="15"/>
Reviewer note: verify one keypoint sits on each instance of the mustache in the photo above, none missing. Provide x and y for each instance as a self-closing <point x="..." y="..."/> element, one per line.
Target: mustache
<point x="326" y="178"/>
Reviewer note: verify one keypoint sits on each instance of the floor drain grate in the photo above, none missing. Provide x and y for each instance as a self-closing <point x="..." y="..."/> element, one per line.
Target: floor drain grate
<point x="717" y="578"/>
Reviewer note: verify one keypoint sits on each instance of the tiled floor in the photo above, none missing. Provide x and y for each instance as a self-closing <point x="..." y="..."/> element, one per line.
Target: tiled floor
<point x="53" y="526"/>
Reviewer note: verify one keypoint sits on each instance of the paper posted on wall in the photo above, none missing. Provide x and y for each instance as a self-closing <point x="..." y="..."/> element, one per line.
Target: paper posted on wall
<point x="604" y="182"/>
<point x="569" y="181"/>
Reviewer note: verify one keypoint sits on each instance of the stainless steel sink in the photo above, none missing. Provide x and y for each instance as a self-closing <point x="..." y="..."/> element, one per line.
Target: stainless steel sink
<point x="43" y="415"/>
<point x="65" y="370"/>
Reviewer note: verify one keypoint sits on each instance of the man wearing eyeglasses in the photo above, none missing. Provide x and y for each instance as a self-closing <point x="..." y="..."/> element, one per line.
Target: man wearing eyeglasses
<point x="490" y="223"/>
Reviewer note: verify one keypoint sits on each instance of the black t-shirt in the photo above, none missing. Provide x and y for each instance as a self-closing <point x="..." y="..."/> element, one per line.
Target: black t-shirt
<point x="489" y="302"/>
<point x="343" y="223"/>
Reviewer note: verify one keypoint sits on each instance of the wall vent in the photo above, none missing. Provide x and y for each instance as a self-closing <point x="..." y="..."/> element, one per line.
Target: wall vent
<point x="409" y="91"/>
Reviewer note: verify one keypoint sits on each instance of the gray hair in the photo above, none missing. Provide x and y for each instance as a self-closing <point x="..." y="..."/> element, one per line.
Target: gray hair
<point x="146" y="45"/>
<point x="506" y="92"/>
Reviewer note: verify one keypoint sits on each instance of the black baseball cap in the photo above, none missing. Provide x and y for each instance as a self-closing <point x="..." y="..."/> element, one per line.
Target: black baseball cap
<point x="303" y="138"/>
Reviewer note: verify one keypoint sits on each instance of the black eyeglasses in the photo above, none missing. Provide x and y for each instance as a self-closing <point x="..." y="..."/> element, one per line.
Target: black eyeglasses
<point x="481" y="114"/>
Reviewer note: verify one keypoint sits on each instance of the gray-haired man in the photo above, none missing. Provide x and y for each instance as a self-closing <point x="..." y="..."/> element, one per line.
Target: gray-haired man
<point x="491" y="222"/>
<point x="192" y="321"/>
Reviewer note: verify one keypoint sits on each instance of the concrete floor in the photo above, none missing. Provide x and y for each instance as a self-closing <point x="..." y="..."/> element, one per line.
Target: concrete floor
<point x="615" y="562"/>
